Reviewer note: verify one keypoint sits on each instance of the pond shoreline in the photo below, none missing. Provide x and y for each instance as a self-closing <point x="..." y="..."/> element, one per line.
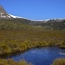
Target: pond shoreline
<point x="40" y="55"/>
<point x="19" y="52"/>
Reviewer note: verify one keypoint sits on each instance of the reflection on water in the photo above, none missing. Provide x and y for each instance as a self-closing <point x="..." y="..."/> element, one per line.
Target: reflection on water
<point x="62" y="51"/>
<point x="41" y="56"/>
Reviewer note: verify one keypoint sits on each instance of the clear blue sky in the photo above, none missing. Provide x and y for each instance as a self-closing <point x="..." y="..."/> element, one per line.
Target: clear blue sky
<point x="35" y="9"/>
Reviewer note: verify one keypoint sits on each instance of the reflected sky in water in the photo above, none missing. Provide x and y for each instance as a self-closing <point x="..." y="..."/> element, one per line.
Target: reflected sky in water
<point x="41" y="56"/>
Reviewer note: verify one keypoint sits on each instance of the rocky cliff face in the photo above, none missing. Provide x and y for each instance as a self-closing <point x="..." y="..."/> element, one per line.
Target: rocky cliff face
<point x="3" y="13"/>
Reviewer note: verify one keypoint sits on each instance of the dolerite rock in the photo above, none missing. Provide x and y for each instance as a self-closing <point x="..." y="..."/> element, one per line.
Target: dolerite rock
<point x="4" y="14"/>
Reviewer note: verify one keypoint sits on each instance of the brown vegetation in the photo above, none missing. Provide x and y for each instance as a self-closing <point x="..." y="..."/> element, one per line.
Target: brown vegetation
<point x="12" y="62"/>
<point x="18" y="36"/>
<point x="60" y="61"/>
<point x="19" y="41"/>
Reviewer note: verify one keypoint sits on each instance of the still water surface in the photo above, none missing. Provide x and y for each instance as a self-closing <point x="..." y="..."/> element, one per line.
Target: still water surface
<point x="40" y="56"/>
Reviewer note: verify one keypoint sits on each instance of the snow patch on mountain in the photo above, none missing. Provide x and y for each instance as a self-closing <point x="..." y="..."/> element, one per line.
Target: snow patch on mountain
<point x="14" y="16"/>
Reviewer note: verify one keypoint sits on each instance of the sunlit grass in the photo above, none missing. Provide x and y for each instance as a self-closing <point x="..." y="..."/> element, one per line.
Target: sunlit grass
<point x="59" y="61"/>
<point x="19" y="41"/>
<point x="12" y="62"/>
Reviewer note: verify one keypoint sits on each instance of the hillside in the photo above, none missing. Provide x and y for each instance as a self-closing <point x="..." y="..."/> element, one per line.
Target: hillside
<point x="8" y="21"/>
<point x="54" y="24"/>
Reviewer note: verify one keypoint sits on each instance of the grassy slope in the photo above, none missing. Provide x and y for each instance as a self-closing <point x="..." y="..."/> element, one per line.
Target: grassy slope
<point x="18" y="37"/>
<point x="15" y="41"/>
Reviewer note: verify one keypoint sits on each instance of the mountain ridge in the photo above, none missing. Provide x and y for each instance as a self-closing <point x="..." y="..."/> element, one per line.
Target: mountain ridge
<point x="47" y="24"/>
<point x="5" y="15"/>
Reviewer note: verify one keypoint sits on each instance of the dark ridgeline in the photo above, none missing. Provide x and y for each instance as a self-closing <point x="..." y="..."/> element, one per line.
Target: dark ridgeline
<point x="51" y="24"/>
